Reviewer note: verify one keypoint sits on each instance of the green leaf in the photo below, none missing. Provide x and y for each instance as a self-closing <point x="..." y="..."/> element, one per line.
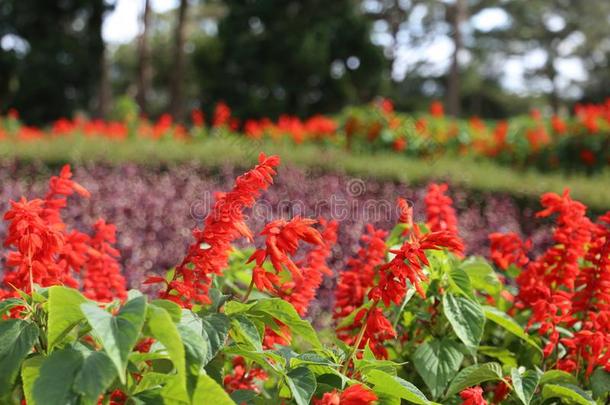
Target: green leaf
<point x="215" y="332"/>
<point x="8" y="304"/>
<point x="64" y="312"/>
<point x="209" y="392"/>
<point x="302" y="384"/>
<point x="525" y="385"/>
<point x="482" y="275"/>
<point x="568" y="392"/>
<point x="600" y="383"/>
<point x="460" y="282"/>
<point x="505" y="356"/>
<point x="285" y="313"/>
<point x="96" y="374"/>
<point x="118" y="334"/>
<point x="30" y="370"/>
<point x="245" y="331"/>
<point x="17" y="338"/>
<point x="171" y="307"/>
<point x="159" y="325"/>
<point x="437" y="361"/>
<point x="474" y="375"/>
<point x="466" y="317"/>
<point x="57" y="377"/>
<point x="385" y="383"/>
<point x="509" y="324"/>
<point x="557" y="376"/>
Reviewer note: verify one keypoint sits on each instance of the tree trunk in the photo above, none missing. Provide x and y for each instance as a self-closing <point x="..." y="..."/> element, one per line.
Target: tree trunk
<point x="144" y="67"/>
<point x="453" y="91"/>
<point x="176" y="106"/>
<point x="103" y="107"/>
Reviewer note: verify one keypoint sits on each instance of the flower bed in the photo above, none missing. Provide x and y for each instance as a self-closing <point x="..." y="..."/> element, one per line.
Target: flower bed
<point x="577" y="143"/>
<point x="414" y="319"/>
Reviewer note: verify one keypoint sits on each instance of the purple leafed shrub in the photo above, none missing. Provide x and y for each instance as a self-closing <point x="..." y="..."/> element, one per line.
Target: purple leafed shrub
<point x="155" y="209"/>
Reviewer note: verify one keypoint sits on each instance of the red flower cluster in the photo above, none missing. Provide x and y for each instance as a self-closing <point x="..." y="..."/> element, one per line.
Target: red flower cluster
<point x="440" y="214"/>
<point x="355" y="394"/>
<point x="507" y="249"/>
<point x="355" y="282"/>
<point x="244" y="378"/>
<point x="408" y="263"/>
<point x="568" y="285"/>
<point x="315" y="267"/>
<point x="208" y="255"/>
<point x="47" y="253"/>
<point x="473" y="396"/>
<point x="282" y="241"/>
<point x="315" y="127"/>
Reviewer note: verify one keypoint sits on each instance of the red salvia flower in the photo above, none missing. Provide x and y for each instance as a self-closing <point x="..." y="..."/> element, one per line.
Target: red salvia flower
<point x="473" y="396"/>
<point x="408" y="263"/>
<point x="440" y="214"/>
<point x="355" y="394"/>
<point x="243" y="377"/>
<point x="301" y="294"/>
<point x="282" y="241"/>
<point x="208" y="255"/>
<point x="355" y="282"/>
<point x="47" y="253"/>
<point x="507" y="249"/>
<point x="102" y="278"/>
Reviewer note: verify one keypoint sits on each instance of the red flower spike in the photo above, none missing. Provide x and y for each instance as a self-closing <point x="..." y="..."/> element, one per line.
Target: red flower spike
<point x="209" y="254"/>
<point x="408" y="264"/>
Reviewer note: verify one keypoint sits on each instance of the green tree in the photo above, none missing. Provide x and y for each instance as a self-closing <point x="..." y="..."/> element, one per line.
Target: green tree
<point x="56" y="66"/>
<point x="275" y="56"/>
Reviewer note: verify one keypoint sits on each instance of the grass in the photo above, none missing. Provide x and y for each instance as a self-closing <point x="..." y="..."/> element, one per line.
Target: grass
<point x="213" y="152"/>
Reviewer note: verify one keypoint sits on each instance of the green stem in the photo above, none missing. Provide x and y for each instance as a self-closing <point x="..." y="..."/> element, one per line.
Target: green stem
<point x="358" y="339"/>
<point x="250" y="288"/>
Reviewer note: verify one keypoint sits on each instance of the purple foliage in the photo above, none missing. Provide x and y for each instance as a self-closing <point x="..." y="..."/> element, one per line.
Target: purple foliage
<point x="155" y="208"/>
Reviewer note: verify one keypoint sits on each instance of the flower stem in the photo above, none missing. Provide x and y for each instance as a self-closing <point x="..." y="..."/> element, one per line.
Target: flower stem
<point x="358" y="339"/>
<point x="250" y="288"/>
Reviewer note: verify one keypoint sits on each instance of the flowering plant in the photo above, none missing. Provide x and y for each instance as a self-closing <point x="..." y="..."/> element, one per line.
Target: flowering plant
<point x="414" y="320"/>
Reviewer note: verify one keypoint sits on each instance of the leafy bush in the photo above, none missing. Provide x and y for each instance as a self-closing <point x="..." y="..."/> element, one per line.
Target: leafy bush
<point x="416" y="321"/>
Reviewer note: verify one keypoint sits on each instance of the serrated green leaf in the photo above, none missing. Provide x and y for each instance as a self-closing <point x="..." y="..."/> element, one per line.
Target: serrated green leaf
<point x="509" y="324"/>
<point x="118" y="334"/>
<point x="505" y="356"/>
<point x="437" y="361"/>
<point x="482" y="275"/>
<point x="557" y="376"/>
<point x="568" y="392"/>
<point x="302" y="384"/>
<point x="159" y="325"/>
<point x="64" y="312"/>
<point x="466" y="317"/>
<point x="285" y="313"/>
<point x="95" y="375"/>
<point x="215" y="332"/>
<point x="474" y="375"/>
<point x="525" y="385"/>
<point x="245" y="331"/>
<point x="174" y="310"/>
<point x="30" y="370"/>
<point x="600" y="383"/>
<point x="209" y="392"/>
<point x="392" y="385"/>
<point x="17" y="338"/>
<point x="460" y="282"/>
<point x="56" y="378"/>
